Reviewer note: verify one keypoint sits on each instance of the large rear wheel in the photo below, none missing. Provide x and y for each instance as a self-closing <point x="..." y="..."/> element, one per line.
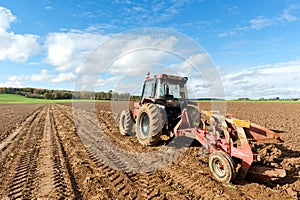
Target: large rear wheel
<point x="126" y="122"/>
<point x="149" y="124"/>
<point x="222" y="167"/>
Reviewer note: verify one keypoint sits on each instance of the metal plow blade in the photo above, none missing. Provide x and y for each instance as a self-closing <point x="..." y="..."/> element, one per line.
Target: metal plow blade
<point x="261" y="134"/>
<point x="265" y="174"/>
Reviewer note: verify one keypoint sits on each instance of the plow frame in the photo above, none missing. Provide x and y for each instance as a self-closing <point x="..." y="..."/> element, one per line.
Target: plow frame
<point x="236" y="135"/>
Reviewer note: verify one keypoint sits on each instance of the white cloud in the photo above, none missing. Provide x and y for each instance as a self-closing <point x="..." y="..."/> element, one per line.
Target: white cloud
<point x="68" y="50"/>
<point x="64" y="77"/>
<point x="15" y="47"/>
<point x="130" y="55"/>
<point x="197" y="59"/>
<point x="49" y="8"/>
<point x="123" y="61"/>
<point x="227" y="34"/>
<point x="286" y="16"/>
<point x="15" y="84"/>
<point x="203" y="77"/>
<point x="232" y="9"/>
<point x="268" y="81"/>
<point x="6" y="17"/>
<point x="60" y="49"/>
<point x="261" y="22"/>
<point x="43" y="76"/>
<point x="149" y="14"/>
<point x="126" y="53"/>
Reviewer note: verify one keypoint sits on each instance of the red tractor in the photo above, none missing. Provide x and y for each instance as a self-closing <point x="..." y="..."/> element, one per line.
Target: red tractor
<point x="164" y="109"/>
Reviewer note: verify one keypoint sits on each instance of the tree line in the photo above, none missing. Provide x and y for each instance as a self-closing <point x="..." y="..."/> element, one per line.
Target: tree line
<point x="40" y="93"/>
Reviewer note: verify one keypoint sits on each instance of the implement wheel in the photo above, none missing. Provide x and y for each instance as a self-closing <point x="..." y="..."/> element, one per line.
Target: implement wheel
<point x="126" y="122"/>
<point x="222" y="166"/>
<point x="149" y="124"/>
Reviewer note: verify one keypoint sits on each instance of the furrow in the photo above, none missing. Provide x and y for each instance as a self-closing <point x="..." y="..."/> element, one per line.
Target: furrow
<point x="62" y="166"/>
<point x="24" y="175"/>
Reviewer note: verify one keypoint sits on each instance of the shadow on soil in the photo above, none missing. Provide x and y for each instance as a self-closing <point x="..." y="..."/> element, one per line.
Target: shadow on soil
<point x="290" y="161"/>
<point x="278" y="131"/>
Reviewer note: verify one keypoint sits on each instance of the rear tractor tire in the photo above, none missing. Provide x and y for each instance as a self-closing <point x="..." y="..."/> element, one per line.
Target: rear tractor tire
<point x="126" y="123"/>
<point x="149" y="124"/>
<point x="222" y="166"/>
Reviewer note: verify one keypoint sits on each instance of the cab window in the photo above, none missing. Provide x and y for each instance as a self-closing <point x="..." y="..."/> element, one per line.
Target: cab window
<point x="148" y="89"/>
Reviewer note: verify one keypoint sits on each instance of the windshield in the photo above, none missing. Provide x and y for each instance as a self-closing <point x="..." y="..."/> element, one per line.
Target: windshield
<point x="174" y="90"/>
<point x="177" y="89"/>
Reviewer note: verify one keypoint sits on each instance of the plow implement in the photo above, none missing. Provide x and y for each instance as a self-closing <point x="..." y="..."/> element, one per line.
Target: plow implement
<point x="228" y="141"/>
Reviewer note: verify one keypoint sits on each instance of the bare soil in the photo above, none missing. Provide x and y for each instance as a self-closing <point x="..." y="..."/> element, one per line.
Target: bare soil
<point x="12" y="115"/>
<point x="45" y="153"/>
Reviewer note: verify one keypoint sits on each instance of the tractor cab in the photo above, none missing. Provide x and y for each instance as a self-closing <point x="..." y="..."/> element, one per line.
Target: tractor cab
<point x="163" y="89"/>
<point x="168" y="93"/>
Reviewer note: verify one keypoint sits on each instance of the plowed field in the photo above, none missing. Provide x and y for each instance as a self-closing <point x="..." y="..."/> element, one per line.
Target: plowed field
<point x="55" y="151"/>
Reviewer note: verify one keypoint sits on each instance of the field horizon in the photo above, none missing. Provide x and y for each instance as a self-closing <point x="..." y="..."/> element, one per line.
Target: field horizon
<point x="19" y="99"/>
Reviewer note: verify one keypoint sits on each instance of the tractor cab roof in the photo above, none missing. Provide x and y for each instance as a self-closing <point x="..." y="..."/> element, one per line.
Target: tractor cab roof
<point x="167" y="77"/>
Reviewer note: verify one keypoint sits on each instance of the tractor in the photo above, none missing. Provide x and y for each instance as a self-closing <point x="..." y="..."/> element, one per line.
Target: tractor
<point x="165" y="109"/>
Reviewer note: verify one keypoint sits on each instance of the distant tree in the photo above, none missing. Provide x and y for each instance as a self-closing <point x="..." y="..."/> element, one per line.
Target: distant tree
<point x="57" y="95"/>
<point x="48" y="95"/>
<point x="108" y="95"/>
<point x="101" y="95"/>
<point x="2" y="90"/>
<point x="135" y="98"/>
<point x="243" y="99"/>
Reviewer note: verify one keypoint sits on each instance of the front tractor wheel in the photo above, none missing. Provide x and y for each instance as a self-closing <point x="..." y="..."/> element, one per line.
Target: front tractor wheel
<point x="222" y="167"/>
<point x="149" y="124"/>
<point x="126" y="122"/>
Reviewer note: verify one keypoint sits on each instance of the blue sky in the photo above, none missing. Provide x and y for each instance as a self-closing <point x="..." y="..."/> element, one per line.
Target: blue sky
<point x="255" y="45"/>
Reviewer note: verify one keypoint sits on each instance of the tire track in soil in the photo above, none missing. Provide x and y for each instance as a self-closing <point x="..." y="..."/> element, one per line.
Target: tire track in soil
<point x="122" y="186"/>
<point x="15" y="139"/>
<point x="110" y="182"/>
<point x="196" y="181"/>
<point x="21" y="171"/>
<point x="66" y="161"/>
<point x="143" y="185"/>
<point x="13" y="116"/>
<point x="108" y="122"/>
<point x="56" y="181"/>
<point x="149" y="184"/>
<point x="176" y="178"/>
<point x="152" y="184"/>
<point x="37" y="166"/>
